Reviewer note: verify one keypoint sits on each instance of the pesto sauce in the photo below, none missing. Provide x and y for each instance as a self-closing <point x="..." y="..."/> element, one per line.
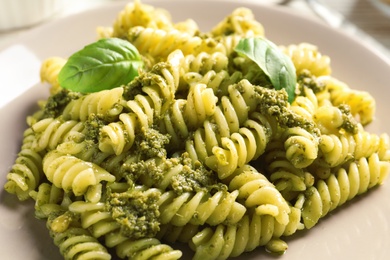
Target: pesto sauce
<point x="136" y="211"/>
<point x="274" y="103"/>
<point x="56" y="103"/>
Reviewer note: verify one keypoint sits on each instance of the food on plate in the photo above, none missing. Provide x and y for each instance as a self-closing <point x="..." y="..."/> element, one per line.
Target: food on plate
<point x="159" y="133"/>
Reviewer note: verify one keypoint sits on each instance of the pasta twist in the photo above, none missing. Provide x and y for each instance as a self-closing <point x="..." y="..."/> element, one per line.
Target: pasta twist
<point x="160" y="43"/>
<point x="173" y="234"/>
<point x="219" y="81"/>
<point x="160" y="172"/>
<point x="383" y="149"/>
<point x="233" y="109"/>
<point x="106" y="103"/>
<point x="204" y="62"/>
<point x="26" y="172"/>
<point x="306" y="56"/>
<point x="301" y="146"/>
<point x="137" y="14"/>
<point x="241" y="22"/>
<point x="200" y="208"/>
<point x="288" y="179"/>
<point x="146" y="248"/>
<point x="49" y="199"/>
<point x="50" y="68"/>
<point x="362" y="104"/>
<point x="114" y="164"/>
<point x="305" y="105"/>
<point x="366" y="143"/>
<point x="50" y="132"/>
<point x="240" y="148"/>
<point x="343" y="185"/>
<point x="73" y="174"/>
<point x="329" y="119"/>
<point x="95" y="217"/>
<point x="258" y="192"/>
<point x="78" y="243"/>
<point x="200" y="104"/>
<point x="336" y="150"/>
<point x="222" y="242"/>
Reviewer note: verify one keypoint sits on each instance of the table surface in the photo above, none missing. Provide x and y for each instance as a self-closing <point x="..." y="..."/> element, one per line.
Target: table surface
<point x="360" y="13"/>
<point x="366" y="17"/>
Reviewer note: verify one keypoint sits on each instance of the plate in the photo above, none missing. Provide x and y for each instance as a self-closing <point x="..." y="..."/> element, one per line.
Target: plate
<point x="359" y="230"/>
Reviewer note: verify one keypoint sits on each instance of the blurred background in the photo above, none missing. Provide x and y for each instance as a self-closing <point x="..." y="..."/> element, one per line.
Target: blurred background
<point x="369" y="19"/>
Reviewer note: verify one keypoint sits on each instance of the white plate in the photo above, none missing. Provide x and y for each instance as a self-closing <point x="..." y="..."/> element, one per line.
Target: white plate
<point x="359" y="230"/>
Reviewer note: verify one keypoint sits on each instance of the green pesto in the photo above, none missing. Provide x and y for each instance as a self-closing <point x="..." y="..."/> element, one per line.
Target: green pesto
<point x="154" y="170"/>
<point x="349" y="122"/>
<point x="56" y="103"/>
<point x="306" y="79"/>
<point x="274" y="103"/>
<point x="136" y="211"/>
<point x="93" y="125"/>
<point x="195" y="177"/>
<point x="132" y="89"/>
<point x="192" y="178"/>
<point x="150" y="143"/>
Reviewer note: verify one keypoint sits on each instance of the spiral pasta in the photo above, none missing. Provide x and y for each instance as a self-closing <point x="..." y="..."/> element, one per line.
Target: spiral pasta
<point x="172" y="234"/>
<point x="362" y="104"/>
<point x="50" y="132"/>
<point x="147" y="248"/>
<point x="288" y="179"/>
<point x="305" y="105"/>
<point x="161" y="43"/>
<point x="73" y="174"/>
<point x="257" y="191"/>
<point x="338" y="149"/>
<point x="107" y="103"/>
<point x="204" y="62"/>
<point x="137" y="14"/>
<point x="49" y="199"/>
<point x="307" y="56"/>
<point x="301" y="147"/>
<point x="94" y="217"/>
<point x="200" y="208"/>
<point x="241" y="21"/>
<point x="49" y="72"/>
<point x="26" y="173"/>
<point x="343" y="185"/>
<point x="252" y="231"/>
<point x="77" y="242"/>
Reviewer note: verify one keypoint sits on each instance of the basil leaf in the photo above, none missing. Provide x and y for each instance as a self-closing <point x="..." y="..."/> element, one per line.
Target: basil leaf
<point x="275" y="64"/>
<point x="105" y="64"/>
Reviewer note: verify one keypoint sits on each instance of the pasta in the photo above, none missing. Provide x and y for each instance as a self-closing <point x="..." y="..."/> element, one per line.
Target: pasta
<point x="26" y="173"/>
<point x="305" y="56"/>
<point x="200" y="148"/>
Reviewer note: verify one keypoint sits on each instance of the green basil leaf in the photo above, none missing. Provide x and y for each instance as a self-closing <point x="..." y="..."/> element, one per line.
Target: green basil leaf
<point x="272" y="61"/>
<point x="105" y="64"/>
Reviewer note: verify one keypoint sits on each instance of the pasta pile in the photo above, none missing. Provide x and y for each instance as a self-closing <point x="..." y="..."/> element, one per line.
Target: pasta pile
<point x="198" y="149"/>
